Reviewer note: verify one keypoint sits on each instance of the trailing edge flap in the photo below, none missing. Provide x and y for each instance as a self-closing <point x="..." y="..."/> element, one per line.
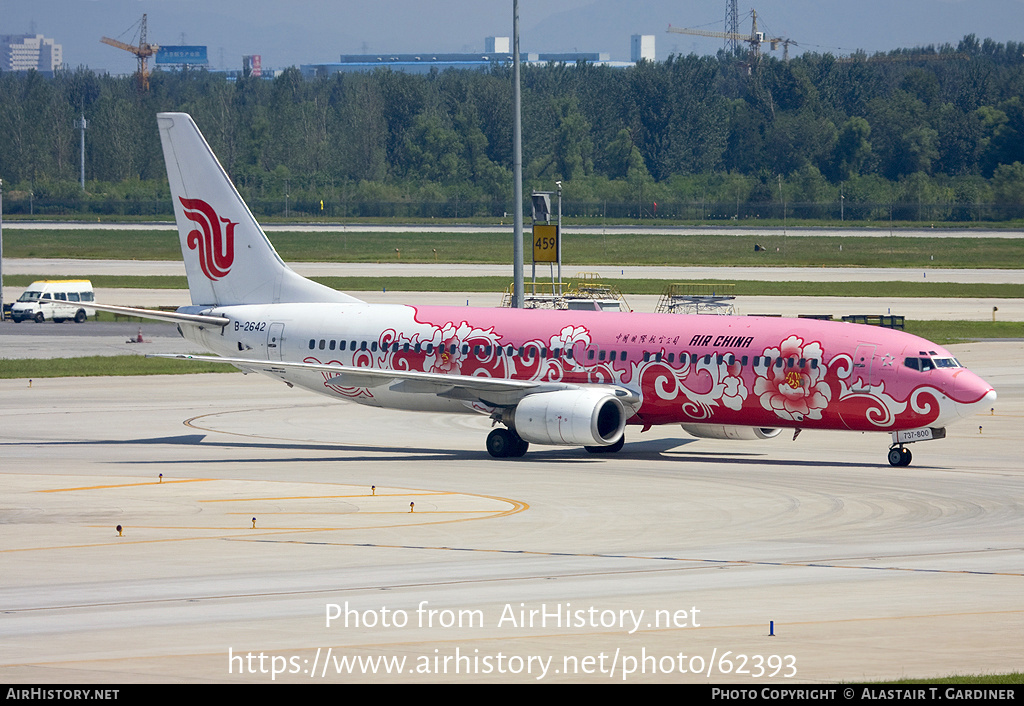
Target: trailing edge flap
<point x="495" y="390"/>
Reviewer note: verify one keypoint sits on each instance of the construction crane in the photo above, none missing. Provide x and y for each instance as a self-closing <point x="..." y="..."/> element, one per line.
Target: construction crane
<point x="142" y="52"/>
<point x="755" y="39"/>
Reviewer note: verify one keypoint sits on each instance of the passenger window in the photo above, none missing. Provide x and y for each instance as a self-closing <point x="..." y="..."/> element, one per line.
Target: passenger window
<point x="331" y="345"/>
<point x="323" y="344"/>
<point x="312" y="343"/>
<point x="73" y="296"/>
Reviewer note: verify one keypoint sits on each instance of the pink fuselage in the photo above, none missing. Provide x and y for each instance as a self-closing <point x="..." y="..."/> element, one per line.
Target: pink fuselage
<point x="689" y="369"/>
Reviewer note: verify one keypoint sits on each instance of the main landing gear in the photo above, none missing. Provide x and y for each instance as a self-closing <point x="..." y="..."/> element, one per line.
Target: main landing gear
<point x="612" y="448"/>
<point x="900" y="456"/>
<point x="506" y="443"/>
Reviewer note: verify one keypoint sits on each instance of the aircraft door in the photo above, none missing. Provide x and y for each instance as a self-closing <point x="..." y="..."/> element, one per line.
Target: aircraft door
<point x="863" y="367"/>
<point x="274" y="337"/>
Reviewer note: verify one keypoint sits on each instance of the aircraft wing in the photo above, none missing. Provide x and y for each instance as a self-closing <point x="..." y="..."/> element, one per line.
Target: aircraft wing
<point x="498" y="392"/>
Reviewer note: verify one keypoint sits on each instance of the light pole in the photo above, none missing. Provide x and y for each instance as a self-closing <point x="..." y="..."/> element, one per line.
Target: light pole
<point x="81" y="125"/>
<point x="517" y="168"/>
<point x="559" y="185"/>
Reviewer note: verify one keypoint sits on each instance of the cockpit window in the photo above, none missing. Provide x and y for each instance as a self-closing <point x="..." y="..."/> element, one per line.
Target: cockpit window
<point x="926" y="364"/>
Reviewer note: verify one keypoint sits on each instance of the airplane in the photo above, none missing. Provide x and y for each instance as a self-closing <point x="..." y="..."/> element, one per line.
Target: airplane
<point x="549" y="377"/>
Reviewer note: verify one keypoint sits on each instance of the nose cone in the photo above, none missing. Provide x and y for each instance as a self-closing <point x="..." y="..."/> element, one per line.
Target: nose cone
<point x="971" y="393"/>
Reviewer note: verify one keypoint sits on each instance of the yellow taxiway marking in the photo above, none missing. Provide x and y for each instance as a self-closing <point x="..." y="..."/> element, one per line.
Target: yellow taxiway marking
<point x="253" y="499"/>
<point x="125" y="485"/>
<point x="372" y="512"/>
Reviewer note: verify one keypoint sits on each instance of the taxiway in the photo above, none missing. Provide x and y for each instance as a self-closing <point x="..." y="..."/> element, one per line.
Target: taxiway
<point x="868" y="572"/>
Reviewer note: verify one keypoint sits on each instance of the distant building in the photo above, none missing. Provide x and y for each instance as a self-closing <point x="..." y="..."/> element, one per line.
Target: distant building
<point x="22" y="52"/>
<point x="496" y="50"/>
<point x="641" y="47"/>
<point x="498" y="45"/>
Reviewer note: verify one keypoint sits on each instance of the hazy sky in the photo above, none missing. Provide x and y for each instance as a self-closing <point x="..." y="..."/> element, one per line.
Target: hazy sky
<point x="315" y="31"/>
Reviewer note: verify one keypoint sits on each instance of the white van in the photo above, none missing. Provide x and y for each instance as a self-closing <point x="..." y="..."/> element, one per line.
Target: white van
<point x="55" y="299"/>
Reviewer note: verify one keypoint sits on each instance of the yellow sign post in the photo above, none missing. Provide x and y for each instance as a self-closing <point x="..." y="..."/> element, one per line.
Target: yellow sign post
<point x="545" y="243"/>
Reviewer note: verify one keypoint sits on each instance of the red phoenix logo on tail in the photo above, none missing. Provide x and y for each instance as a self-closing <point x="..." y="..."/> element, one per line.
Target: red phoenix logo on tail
<point x="216" y="246"/>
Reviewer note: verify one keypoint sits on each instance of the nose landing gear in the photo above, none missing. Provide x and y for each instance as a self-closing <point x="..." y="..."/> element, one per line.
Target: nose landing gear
<point x="899" y="456"/>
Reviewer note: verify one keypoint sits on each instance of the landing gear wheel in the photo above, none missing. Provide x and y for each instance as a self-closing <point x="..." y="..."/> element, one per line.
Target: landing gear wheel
<point x="610" y="449"/>
<point x="900" y="456"/>
<point x="505" y="443"/>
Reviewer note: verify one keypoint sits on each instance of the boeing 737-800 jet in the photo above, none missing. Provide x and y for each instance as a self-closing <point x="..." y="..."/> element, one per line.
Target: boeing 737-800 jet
<point x="545" y="377"/>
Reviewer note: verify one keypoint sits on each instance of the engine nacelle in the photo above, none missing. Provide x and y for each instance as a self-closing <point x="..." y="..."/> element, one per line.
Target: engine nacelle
<point x="570" y="418"/>
<point x="728" y="431"/>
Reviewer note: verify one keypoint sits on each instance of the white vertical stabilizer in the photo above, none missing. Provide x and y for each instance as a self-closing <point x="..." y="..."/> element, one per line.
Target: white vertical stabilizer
<point x="227" y="256"/>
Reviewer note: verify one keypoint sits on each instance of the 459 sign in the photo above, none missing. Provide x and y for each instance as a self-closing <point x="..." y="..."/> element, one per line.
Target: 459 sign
<point x="545" y="243"/>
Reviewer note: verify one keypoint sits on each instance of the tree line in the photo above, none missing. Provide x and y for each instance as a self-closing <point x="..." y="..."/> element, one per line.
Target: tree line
<point x="936" y="129"/>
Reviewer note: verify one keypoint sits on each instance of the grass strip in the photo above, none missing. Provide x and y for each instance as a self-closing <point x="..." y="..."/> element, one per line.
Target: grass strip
<point x="621" y="249"/>
<point x="104" y="365"/>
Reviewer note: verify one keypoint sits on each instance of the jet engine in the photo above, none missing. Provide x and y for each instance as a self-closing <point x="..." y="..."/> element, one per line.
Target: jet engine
<point x="727" y="431"/>
<point x="569" y="417"/>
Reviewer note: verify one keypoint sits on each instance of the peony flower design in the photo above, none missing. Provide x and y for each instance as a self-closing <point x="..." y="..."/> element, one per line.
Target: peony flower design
<point x="791" y="380"/>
